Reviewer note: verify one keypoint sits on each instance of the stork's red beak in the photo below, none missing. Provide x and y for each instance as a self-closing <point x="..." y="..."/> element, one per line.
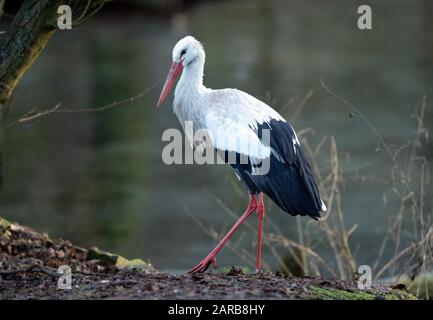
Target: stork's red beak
<point x="173" y="73"/>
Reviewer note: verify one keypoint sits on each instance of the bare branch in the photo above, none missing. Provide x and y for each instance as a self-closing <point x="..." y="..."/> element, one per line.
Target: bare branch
<point x="31" y="116"/>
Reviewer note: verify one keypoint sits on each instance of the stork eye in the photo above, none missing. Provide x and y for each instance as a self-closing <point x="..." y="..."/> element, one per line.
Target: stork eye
<point x="183" y="52"/>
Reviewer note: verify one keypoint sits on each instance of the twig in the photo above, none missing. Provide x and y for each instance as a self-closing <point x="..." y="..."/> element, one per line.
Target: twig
<point x="279" y="239"/>
<point x="31" y="268"/>
<point x="390" y="154"/>
<point x="28" y="117"/>
<point x="404" y="252"/>
<point x="301" y="105"/>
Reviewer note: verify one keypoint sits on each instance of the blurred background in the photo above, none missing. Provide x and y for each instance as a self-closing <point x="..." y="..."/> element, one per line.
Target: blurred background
<point x="98" y="178"/>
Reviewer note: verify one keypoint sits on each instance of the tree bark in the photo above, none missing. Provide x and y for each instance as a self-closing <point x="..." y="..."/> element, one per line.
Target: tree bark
<point x="28" y="34"/>
<point x="2" y="4"/>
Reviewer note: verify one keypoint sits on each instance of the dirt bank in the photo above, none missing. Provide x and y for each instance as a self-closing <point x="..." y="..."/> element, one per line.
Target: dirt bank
<point x="29" y="263"/>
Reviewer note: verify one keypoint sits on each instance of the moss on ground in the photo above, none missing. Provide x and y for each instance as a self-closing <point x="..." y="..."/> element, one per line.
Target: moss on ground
<point x="400" y="295"/>
<point x="4" y="226"/>
<point x="422" y="286"/>
<point x="118" y="261"/>
<point x="338" y="294"/>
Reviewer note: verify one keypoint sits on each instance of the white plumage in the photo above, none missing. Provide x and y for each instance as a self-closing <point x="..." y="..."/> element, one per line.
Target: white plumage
<point x="226" y="112"/>
<point x="237" y="123"/>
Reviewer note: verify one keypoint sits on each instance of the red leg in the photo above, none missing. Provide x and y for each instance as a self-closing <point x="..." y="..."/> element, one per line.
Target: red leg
<point x="211" y="257"/>
<point x="260" y="215"/>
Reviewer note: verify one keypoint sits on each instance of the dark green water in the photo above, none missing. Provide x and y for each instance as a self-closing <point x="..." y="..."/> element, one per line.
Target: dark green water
<point x="98" y="178"/>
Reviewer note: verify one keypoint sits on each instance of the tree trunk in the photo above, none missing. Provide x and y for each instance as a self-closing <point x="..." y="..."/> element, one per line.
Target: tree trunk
<point x="28" y="34"/>
<point x="30" y="31"/>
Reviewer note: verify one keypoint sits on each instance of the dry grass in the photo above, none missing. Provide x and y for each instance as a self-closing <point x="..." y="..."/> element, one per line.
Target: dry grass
<point x="407" y="186"/>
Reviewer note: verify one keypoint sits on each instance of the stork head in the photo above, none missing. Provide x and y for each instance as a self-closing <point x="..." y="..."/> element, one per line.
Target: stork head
<point x="187" y="52"/>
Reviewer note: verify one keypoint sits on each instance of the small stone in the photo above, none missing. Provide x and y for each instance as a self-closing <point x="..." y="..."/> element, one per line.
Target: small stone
<point x="400" y="286"/>
<point x="235" y="271"/>
<point x="51" y="252"/>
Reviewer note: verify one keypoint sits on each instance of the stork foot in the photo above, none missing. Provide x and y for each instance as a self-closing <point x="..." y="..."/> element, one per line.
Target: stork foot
<point x="204" y="264"/>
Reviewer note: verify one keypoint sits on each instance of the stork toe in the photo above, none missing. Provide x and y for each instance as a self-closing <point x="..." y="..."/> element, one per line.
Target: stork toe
<point x="204" y="265"/>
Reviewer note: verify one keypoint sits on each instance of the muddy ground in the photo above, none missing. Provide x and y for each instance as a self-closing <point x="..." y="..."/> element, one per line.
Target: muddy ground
<point x="29" y="262"/>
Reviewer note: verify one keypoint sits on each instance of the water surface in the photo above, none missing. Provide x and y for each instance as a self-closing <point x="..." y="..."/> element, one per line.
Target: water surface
<point x="98" y="178"/>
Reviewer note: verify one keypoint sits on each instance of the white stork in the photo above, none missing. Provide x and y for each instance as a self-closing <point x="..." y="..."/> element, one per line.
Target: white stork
<point x="289" y="180"/>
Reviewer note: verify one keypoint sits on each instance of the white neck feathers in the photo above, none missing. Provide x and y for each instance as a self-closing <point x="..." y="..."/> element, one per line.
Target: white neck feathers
<point x="190" y="84"/>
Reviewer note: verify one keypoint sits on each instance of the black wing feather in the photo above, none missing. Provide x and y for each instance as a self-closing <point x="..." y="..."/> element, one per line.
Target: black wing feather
<point x="289" y="182"/>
